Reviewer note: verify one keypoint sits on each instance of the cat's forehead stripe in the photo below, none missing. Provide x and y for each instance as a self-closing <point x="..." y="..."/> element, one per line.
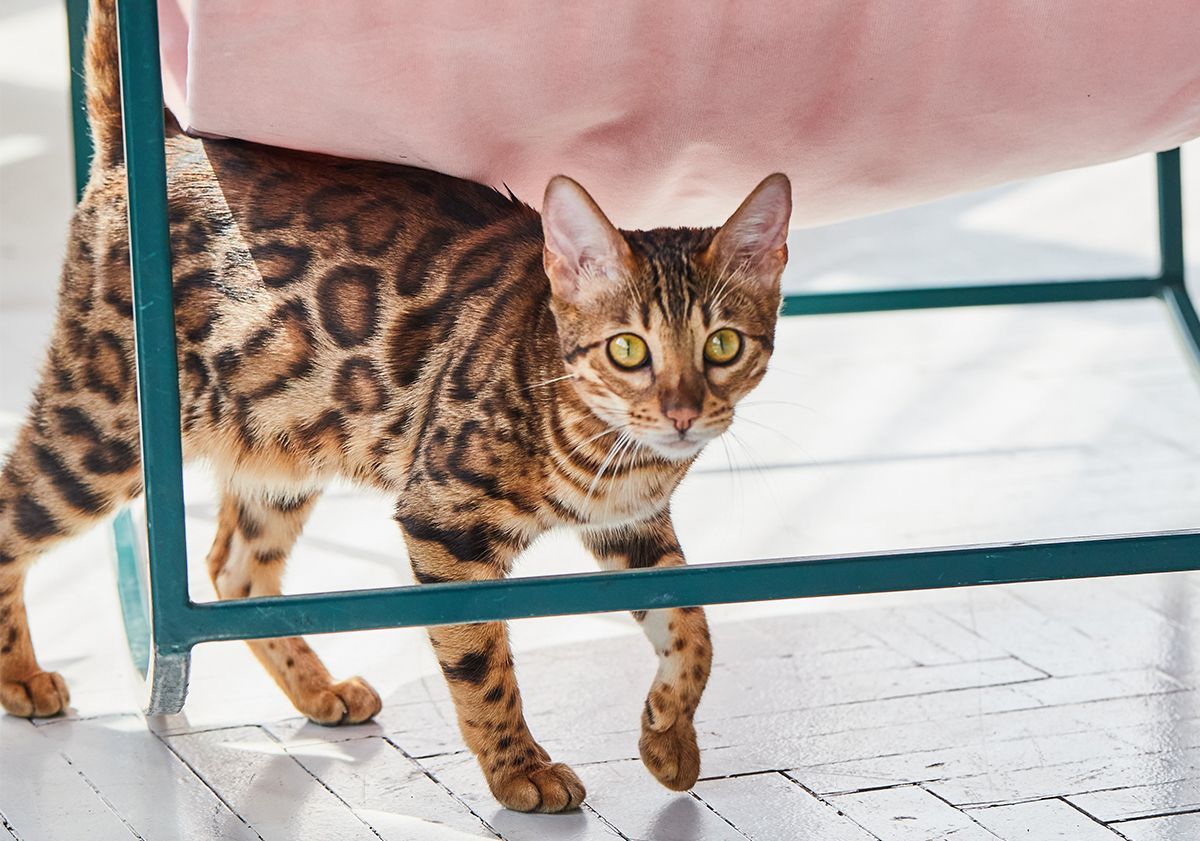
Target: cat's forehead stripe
<point x="668" y="273"/>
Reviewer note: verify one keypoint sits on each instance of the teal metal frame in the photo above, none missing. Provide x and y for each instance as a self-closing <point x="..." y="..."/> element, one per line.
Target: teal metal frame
<point x="163" y="624"/>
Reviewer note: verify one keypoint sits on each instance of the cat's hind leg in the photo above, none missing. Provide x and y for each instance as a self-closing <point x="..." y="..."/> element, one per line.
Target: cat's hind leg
<point x="255" y="534"/>
<point x="74" y="461"/>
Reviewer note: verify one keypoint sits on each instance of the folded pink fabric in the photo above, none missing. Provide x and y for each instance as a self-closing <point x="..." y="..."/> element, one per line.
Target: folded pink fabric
<point x="670" y="111"/>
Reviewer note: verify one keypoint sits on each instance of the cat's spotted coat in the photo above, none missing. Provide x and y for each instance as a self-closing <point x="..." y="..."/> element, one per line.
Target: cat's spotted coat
<point x="424" y="335"/>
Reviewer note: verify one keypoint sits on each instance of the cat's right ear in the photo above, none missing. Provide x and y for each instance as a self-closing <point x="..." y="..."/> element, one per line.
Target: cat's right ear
<point x="585" y="254"/>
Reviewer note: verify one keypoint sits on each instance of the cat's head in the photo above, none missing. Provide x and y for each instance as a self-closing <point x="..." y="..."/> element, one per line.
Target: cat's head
<point x="664" y="331"/>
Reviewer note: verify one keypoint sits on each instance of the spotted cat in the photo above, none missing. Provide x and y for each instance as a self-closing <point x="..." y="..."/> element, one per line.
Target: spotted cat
<point x="498" y="371"/>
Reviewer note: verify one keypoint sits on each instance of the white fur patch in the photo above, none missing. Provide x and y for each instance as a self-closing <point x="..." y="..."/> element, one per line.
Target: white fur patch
<point x="655" y="626"/>
<point x="274" y="492"/>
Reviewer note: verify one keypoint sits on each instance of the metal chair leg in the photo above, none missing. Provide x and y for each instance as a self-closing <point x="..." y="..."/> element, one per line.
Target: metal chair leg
<point x="1174" y="290"/>
<point x="164" y="673"/>
<point x="1187" y="323"/>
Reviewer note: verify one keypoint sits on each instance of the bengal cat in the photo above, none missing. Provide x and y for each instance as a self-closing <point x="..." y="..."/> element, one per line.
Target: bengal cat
<point x="499" y="372"/>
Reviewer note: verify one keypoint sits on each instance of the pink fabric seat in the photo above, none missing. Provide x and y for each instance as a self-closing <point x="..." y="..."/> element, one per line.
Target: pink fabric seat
<point x="670" y="111"/>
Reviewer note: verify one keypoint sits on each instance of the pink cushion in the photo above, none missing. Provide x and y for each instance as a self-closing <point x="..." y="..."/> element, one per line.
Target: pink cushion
<point x="670" y="111"/>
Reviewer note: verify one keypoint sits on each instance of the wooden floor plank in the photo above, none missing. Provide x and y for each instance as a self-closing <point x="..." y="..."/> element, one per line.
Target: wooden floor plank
<point x="427" y="728"/>
<point x="749" y="743"/>
<point x="807" y="665"/>
<point x="1168" y="828"/>
<point x="820" y="639"/>
<point x="270" y="790"/>
<point x="1071" y="778"/>
<point x="1102" y="684"/>
<point x="959" y="761"/>
<point x="770" y="807"/>
<point x="790" y="740"/>
<point x="928" y="637"/>
<point x="460" y="773"/>
<point x="389" y="791"/>
<point x="779" y="689"/>
<point x="866" y="715"/>
<point x="1092" y="701"/>
<point x="1140" y="801"/>
<point x="1041" y="820"/>
<point x="1143" y="635"/>
<point x="44" y="797"/>
<point x="909" y="814"/>
<point x="626" y="796"/>
<point x="146" y="783"/>
<point x="1041" y="640"/>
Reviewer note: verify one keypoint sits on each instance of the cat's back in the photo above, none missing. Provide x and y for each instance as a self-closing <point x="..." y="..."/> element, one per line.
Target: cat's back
<point x="315" y="296"/>
<point x="263" y="224"/>
<point x="350" y="257"/>
<point x="293" y="220"/>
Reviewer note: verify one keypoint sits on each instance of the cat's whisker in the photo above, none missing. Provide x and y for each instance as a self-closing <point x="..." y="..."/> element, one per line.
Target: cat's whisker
<point x="723" y="275"/>
<point x="636" y="295"/>
<point x="553" y="380"/>
<point x="792" y="403"/>
<point x="723" y="287"/>
<point x="725" y="282"/>
<point x="772" y="429"/>
<point x="603" y="466"/>
<point x="630" y="450"/>
<point x="627" y="445"/>
<point x="635" y="448"/>
<point x="773" y="369"/>
<point x="728" y="459"/>
<point x="758" y="470"/>
<point x="589" y="440"/>
<point x="719" y="299"/>
<point x="718" y="293"/>
<point x="622" y="449"/>
<point x="757" y="466"/>
<point x="734" y="477"/>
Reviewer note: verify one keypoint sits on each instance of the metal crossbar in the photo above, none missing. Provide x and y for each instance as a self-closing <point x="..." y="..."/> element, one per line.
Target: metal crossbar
<point x="163" y="624"/>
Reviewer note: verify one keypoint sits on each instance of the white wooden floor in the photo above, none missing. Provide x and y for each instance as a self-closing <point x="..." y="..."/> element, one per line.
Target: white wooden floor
<point x="1052" y="711"/>
<point x="1064" y="711"/>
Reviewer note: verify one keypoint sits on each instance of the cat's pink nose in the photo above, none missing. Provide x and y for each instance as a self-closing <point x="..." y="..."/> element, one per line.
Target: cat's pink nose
<point x="682" y="417"/>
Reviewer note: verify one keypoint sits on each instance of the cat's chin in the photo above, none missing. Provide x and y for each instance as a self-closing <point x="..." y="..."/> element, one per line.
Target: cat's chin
<point x="676" y="449"/>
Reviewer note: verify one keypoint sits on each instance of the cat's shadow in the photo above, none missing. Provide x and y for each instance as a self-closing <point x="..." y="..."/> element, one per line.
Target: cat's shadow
<point x="682" y="817"/>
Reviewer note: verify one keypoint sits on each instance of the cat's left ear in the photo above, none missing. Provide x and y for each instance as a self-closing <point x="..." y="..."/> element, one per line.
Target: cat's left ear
<point x="753" y="241"/>
<point x="585" y="254"/>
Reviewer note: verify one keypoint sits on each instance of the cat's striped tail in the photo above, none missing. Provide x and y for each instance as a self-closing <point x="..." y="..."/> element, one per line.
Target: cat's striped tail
<point x="103" y="84"/>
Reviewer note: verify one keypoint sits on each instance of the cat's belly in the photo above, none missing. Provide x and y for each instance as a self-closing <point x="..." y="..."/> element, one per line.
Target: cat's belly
<point x="291" y="447"/>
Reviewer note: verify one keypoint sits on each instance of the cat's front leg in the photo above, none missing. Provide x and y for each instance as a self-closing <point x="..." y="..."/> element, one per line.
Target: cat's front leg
<point x="680" y="638"/>
<point x="478" y="665"/>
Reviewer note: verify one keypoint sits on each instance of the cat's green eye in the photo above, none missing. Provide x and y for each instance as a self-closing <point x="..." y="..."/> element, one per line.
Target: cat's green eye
<point x="628" y="351"/>
<point x="723" y="346"/>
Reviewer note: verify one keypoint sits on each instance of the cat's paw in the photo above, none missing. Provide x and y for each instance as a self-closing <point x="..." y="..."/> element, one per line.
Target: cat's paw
<point x="544" y="788"/>
<point x="352" y="701"/>
<point x="672" y="755"/>
<point x="40" y="695"/>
